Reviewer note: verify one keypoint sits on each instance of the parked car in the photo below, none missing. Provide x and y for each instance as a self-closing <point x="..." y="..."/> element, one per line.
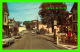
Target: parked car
<point x="7" y="40"/>
<point x="17" y="36"/>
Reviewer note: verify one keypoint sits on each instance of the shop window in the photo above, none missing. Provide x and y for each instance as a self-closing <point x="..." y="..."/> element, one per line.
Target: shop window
<point x="5" y="18"/>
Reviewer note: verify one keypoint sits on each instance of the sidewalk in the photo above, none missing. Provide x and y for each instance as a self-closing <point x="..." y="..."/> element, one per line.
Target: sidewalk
<point x="61" y="44"/>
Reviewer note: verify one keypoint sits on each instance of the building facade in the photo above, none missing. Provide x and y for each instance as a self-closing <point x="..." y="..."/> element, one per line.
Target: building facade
<point x="5" y="19"/>
<point x="74" y="18"/>
<point x="13" y="27"/>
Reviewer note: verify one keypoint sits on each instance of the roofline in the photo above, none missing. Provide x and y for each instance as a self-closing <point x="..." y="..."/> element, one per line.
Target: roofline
<point x="73" y="6"/>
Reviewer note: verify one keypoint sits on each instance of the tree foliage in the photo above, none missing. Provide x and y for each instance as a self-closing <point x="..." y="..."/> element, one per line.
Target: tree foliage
<point x="29" y="24"/>
<point x="48" y="15"/>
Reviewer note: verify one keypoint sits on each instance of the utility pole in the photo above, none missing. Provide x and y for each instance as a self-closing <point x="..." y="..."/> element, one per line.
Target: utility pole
<point x="37" y="24"/>
<point x="53" y="30"/>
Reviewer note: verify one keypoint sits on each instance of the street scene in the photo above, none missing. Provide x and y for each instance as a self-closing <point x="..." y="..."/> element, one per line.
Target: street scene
<point x="39" y="25"/>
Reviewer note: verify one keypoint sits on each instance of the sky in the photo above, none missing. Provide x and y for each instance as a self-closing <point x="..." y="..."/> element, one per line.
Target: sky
<point x="27" y="11"/>
<point x="24" y="11"/>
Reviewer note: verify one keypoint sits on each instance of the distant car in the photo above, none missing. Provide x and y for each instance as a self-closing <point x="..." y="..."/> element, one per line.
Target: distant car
<point x="38" y="32"/>
<point x="7" y="40"/>
<point x="33" y="32"/>
<point x="21" y="33"/>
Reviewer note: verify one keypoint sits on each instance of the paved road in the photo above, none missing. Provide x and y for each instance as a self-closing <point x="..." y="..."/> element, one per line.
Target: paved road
<point x="30" y="41"/>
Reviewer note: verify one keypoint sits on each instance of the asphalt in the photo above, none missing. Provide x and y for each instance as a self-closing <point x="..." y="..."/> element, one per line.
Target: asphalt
<point x="32" y="41"/>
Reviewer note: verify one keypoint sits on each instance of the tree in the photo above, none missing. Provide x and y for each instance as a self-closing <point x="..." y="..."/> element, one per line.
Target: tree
<point x="29" y="24"/>
<point x="49" y="15"/>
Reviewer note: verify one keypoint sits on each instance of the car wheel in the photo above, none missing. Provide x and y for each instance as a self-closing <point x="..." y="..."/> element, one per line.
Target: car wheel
<point x="8" y="43"/>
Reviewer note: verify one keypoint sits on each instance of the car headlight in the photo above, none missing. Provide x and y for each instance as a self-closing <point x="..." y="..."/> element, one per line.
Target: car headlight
<point x="4" y="41"/>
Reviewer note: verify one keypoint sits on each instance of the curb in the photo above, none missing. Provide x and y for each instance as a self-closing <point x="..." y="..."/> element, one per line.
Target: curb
<point x="60" y="47"/>
<point x="57" y="45"/>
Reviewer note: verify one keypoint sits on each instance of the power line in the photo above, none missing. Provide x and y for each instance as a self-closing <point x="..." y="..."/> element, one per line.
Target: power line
<point x="26" y="9"/>
<point x="29" y="14"/>
<point x="19" y="6"/>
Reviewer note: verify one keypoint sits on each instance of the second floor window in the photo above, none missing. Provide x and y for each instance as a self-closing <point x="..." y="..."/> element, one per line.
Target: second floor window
<point x="75" y="27"/>
<point x="74" y="17"/>
<point x="5" y="18"/>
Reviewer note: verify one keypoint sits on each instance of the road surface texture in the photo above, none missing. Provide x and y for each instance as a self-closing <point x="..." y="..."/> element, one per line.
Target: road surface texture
<point x="32" y="41"/>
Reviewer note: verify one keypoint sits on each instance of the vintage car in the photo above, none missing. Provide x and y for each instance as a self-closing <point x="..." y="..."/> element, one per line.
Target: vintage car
<point x="17" y="36"/>
<point x="7" y="40"/>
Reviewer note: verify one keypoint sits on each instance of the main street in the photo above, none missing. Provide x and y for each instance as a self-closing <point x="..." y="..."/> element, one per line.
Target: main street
<point x="31" y="41"/>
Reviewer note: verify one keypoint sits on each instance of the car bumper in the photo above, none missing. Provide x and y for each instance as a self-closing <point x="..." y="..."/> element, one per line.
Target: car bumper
<point x="4" y="44"/>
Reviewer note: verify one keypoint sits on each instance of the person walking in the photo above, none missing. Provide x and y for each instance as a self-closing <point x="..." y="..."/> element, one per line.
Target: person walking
<point x="69" y="35"/>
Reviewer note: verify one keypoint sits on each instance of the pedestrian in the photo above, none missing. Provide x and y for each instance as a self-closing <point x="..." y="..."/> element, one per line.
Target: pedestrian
<point x="69" y="35"/>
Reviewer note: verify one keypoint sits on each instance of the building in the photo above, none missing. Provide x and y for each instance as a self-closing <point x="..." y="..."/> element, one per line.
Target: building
<point x="42" y="26"/>
<point x="13" y="27"/>
<point x="22" y="28"/>
<point x="74" y="18"/>
<point x="5" y="19"/>
<point x="69" y="22"/>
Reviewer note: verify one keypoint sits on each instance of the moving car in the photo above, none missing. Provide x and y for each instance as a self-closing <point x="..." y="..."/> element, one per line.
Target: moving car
<point x="33" y="32"/>
<point x="7" y="40"/>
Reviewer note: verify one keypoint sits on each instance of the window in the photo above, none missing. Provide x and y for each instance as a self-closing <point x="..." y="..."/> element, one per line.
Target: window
<point x="5" y="18"/>
<point x="74" y="17"/>
<point x="75" y="27"/>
